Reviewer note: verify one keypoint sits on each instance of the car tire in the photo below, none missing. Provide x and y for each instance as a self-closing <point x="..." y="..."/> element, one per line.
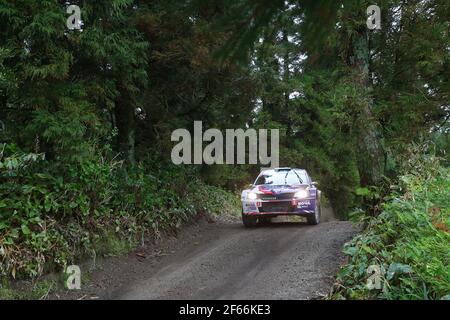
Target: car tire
<point x="314" y="218"/>
<point x="249" y="221"/>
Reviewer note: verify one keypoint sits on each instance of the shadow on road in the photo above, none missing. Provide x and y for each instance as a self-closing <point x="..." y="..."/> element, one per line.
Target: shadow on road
<point x="296" y="221"/>
<point x="283" y="224"/>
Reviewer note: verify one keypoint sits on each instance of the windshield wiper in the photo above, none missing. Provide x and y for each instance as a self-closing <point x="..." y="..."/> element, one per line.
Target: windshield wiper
<point x="285" y="177"/>
<point x="301" y="181"/>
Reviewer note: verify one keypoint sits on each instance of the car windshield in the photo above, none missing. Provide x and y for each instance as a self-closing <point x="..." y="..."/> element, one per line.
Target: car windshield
<point x="282" y="177"/>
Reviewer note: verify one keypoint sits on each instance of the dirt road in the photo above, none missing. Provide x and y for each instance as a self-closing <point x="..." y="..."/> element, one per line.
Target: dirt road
<point x="223" y="260"/>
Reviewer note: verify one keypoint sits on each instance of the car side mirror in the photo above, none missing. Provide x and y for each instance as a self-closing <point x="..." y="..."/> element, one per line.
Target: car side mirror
<point x="249" y="186"/>
<point x="314" y="183"/>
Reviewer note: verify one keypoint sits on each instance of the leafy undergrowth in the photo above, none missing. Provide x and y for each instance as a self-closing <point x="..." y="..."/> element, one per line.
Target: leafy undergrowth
<point x="37" y="291"/>
<point x="51" y="216"/>
<point x="409" y="242"/>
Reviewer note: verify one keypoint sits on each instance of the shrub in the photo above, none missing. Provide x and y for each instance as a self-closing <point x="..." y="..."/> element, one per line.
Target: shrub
<point x="409" y="241"/>
<point x="51" y="215"/>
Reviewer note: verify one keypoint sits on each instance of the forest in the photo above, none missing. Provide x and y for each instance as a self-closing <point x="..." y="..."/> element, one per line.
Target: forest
<point x="86" y="118"/>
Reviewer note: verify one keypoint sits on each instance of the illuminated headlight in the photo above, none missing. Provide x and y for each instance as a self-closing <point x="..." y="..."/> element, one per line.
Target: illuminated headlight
<point x="251" y="196"/>
<point x="301" y="194"/>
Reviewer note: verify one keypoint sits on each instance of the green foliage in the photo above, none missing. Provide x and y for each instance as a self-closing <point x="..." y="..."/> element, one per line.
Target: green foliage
<point x="249" y="19"/>
<point x="409" y="240"/>
<point x="51" y="216"/>
<point x="86" y="116"/>
<point x="38" y="290"/>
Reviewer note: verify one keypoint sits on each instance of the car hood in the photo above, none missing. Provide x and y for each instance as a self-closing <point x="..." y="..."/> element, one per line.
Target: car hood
<point x="277" y="189"/>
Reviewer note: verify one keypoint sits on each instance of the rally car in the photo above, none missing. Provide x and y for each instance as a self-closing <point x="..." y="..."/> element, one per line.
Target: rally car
<point x="281" y="191"/>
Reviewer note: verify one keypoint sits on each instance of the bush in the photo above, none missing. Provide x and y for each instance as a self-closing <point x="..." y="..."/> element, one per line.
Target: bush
<point x="51" y="215"/>
<point x="409" y="241"/>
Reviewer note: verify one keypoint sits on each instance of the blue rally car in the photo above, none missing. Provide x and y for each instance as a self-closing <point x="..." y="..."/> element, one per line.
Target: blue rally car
<point x="281" y="191"/>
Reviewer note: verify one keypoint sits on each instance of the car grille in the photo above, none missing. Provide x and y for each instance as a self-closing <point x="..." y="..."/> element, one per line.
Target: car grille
<point x="284" y="206"/>
<point x="282" y="196"/>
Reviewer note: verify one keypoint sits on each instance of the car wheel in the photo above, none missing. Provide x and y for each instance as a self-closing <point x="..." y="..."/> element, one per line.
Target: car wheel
<point x="248" y="221"/>
<point x="314" y="218"/>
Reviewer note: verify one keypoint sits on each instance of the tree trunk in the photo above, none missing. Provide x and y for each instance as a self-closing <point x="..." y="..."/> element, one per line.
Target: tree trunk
<point x="286" y="78"/>
<point x="2" y="111"/>
<point x="371" y="160"/>
<point x="124" y="116"/>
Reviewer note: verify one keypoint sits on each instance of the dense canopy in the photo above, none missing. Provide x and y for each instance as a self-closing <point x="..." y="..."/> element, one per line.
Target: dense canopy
<point x="86" y="115"/>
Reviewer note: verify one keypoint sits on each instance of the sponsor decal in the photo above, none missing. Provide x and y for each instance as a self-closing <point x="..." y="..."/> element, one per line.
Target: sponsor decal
<point x="303" y="204"/>
<point x="269" y="198"/>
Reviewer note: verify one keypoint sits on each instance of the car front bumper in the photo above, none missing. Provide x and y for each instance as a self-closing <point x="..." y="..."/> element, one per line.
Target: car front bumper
<point x="279" y="207"/>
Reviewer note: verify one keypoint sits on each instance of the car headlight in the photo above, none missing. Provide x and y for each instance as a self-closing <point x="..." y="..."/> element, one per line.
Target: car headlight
<point x="302" y="194"/>
<point x="251" y="196"/>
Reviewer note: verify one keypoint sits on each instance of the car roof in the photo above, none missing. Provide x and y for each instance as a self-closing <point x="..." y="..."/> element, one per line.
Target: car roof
<point x="281" y="169"/>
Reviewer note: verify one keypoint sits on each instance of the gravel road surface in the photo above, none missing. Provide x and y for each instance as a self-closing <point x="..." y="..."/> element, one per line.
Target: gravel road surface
<point x="224" y="260"/>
